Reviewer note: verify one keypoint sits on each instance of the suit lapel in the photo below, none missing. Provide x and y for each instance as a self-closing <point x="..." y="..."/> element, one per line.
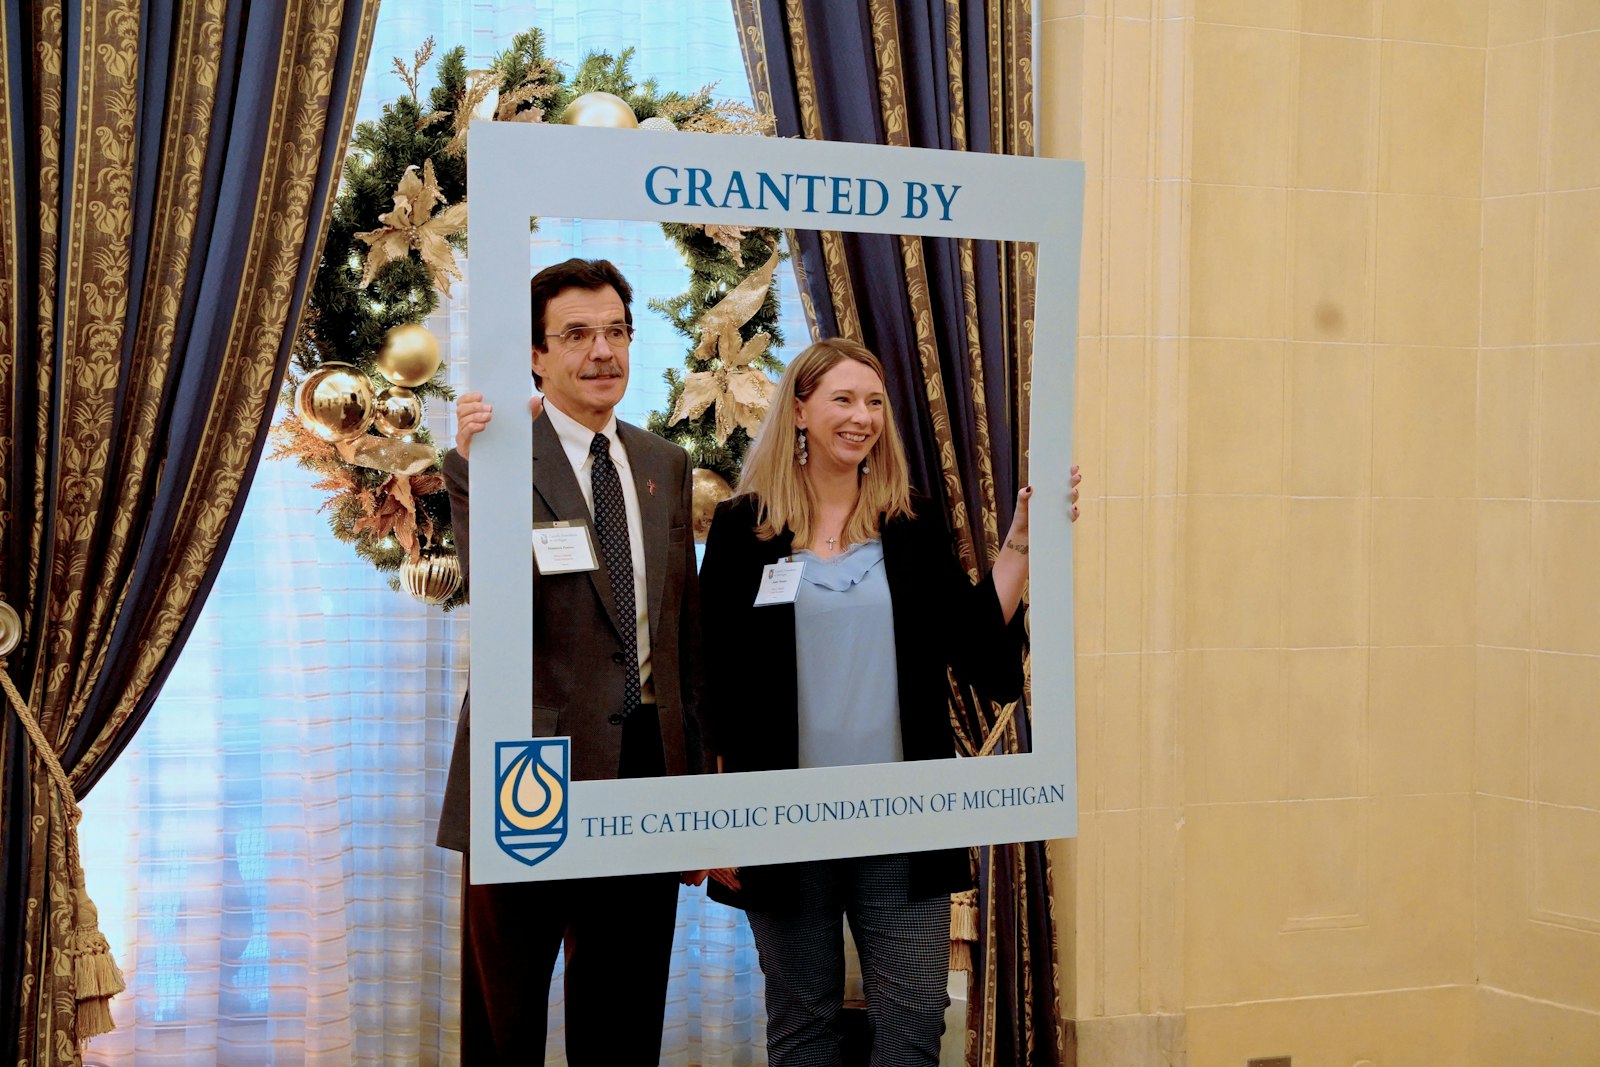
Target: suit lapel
<point x="652" y="482"/>
<point x="555" y="482"/>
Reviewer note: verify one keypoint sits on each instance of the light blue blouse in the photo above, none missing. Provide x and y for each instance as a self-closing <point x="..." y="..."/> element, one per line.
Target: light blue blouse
<point x="844" y="654"/>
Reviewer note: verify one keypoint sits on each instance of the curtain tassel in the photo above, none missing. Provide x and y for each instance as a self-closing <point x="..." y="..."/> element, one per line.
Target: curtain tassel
<point x="94" y="970"/>
<point x="963" y="928"/>
<point x="964" y="905"/>
<point x="95" y="976"/>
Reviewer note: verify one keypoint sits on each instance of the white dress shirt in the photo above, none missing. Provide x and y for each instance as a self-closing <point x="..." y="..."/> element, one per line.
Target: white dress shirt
<point x="575" y="438"/>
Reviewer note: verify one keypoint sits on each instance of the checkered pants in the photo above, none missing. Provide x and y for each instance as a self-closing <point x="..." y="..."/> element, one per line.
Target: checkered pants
<point x="905" y="960"/>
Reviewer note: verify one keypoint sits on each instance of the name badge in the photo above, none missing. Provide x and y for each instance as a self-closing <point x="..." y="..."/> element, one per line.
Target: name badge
<point x="564" y="547"/>
<point x="780" y="584"/>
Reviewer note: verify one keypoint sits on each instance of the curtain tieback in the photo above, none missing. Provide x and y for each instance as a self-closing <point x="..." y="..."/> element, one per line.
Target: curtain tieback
<point x="96" y="978"/>
<point x="964" y="905"/>
<point x="998" y="731"/>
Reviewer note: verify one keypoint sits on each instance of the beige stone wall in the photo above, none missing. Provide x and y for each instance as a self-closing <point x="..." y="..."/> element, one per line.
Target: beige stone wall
<point x="1538" y="685"/>
<point x="1339" y="608"/>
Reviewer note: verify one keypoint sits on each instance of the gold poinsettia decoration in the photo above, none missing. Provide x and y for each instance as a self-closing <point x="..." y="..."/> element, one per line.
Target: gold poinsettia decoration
<point x="729" y="237"/>
<point x="412" y="226"/>
<point x="740" y="391"/>
<point x="719" y="327"/>
<point x="391" y="511"/>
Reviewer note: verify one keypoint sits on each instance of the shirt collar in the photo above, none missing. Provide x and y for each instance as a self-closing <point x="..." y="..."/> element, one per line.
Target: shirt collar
<point x="575" y="437"/>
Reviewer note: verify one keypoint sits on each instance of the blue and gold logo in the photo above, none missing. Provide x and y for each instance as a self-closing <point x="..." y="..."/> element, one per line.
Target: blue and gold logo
<point x="530" y="813"/>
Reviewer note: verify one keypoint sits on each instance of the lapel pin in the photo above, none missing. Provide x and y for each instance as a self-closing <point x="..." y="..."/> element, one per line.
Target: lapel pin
<point x="651" y="486"/>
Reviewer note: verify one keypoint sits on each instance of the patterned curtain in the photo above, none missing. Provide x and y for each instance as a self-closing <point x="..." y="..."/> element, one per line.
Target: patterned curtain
<point x="953" y="320"/>
<point x="165" y="175"/>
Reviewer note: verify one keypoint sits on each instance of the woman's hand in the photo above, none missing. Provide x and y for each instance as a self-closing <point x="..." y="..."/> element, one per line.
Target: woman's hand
<point x="728" y="876"/>
<point x="1017" y="536"/>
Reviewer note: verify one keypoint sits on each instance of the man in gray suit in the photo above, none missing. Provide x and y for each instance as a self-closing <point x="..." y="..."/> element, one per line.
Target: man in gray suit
<point x="616" y="667"/>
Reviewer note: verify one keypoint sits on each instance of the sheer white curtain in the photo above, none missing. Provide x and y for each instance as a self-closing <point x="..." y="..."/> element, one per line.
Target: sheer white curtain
<point x="263" y="852"/>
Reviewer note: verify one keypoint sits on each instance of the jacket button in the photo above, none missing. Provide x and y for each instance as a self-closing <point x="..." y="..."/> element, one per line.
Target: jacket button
<point x="615" y="720"/>
<point x="618" y="658"/>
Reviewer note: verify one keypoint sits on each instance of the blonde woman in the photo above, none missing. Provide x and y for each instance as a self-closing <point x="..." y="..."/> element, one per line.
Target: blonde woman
<point x="883" y="608"/>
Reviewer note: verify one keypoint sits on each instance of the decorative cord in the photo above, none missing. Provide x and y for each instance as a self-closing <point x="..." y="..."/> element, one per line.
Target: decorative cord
<point x="96" y="978"/>
<point x="1007" y="713"/>
<point x="52" y="763"/>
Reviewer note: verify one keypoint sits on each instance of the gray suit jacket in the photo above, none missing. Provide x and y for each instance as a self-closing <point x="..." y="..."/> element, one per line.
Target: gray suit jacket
<point x="578" y="651"/>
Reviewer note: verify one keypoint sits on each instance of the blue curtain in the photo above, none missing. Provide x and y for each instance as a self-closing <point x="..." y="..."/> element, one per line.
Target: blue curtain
<point x="263" y="853"/>
<point x="164" y="174"/>
<point x="953" y="322"/>
<point x="822" y="81"/>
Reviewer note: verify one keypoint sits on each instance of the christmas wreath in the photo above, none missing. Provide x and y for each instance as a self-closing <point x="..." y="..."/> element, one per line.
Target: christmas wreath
<point x="364" y="365"/>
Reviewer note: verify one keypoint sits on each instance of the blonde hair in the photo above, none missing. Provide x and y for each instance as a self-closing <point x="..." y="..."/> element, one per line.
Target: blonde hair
<point x="772" y="472"/>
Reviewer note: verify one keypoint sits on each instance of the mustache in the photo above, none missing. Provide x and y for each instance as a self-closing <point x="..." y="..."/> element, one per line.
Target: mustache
<point x="607" y="369"/>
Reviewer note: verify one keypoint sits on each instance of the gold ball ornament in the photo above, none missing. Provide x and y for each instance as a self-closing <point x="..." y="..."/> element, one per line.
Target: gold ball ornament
<point x="398" y="412"/>
<point x="335" y="402"/>
<point x="434" y="578"/>
<point x="600" y="109"/>
<point x="410" y="355"/>
<point x="707" y="491"/>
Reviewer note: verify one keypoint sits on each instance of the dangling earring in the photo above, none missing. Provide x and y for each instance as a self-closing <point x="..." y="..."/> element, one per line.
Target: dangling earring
<point x="864" y="468"/>
<point x="800" y="447"/>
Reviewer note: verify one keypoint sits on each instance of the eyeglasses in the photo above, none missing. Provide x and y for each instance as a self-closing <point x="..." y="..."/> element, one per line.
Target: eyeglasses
<point x="581" y="338"/>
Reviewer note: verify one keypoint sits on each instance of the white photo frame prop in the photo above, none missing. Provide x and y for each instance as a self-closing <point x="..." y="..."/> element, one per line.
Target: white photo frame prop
<point x="562" y="829"/>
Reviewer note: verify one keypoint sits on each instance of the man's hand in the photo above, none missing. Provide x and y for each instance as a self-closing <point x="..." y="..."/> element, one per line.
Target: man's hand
<point x="473" y="413"/>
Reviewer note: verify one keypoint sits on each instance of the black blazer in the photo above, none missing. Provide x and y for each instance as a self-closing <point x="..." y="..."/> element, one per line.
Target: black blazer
<point x="941" y="620"/>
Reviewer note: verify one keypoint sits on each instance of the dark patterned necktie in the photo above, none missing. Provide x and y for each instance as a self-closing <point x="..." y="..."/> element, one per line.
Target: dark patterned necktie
<point x="611" y="527"/>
